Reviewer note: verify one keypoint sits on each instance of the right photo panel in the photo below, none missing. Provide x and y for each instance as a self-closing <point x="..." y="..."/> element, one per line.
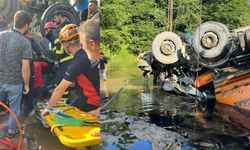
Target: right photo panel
<point x="175" y="74"/>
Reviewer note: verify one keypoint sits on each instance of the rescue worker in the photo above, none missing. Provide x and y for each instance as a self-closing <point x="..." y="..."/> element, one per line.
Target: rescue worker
<point x="90" y="38"/>
<point x="187" y="38"/>
<point x="79" y="71"/>
<point x="63" y="59"/>
<point x="51" y="33"/>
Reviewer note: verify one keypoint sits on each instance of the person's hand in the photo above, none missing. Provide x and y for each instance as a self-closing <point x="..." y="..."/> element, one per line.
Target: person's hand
<point x="95" y="113"/>
<point x="45" y="112"/>
<point x="97" y="133"/>
<point x="26" y="89"/>
<point x="1" y="18"/>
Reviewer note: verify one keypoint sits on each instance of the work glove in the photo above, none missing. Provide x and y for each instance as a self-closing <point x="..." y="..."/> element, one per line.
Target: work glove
<point x="45" y="112"/>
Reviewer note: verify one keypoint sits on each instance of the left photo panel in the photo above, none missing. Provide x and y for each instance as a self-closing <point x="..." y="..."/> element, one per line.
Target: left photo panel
<point x="49" y="74"/>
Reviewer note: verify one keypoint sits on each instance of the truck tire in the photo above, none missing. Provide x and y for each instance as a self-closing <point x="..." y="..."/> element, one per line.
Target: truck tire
<point x="223" y="26"/>
<point x="47" y="54"/>
<point x="67" y="9"/>
<point x="165" y="47"/>
<point x="216" y="42"/>
<point x="9" y="9"/>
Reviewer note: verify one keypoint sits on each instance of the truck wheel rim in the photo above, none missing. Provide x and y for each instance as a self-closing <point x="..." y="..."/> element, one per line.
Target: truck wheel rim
<point x="209" y="40"/>
<point x="167" y="47"/>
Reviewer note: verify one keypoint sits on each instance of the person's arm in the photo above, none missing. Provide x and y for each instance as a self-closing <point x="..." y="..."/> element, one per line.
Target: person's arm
<point x="26" y="56"/>
<point x="75" y="3"/>
<point x="26" y="74"/>
<point x="58" y="93"/>
<point x="70" y="76"/>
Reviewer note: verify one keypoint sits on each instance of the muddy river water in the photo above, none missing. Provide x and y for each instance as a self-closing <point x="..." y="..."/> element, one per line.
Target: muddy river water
<point x="144" y="116"/>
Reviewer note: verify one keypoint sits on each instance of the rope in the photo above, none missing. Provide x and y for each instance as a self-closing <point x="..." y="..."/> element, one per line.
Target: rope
<point x="115" y="95"/>
<point x="198" y="55"/>
<point x="18" y="124"/>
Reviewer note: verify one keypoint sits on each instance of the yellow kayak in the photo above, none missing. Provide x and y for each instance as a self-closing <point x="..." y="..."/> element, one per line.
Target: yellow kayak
<point x="73" y="127"/>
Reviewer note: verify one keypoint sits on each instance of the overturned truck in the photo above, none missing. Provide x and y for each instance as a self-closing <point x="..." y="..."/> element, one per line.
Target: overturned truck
<point x="216" y="66"/>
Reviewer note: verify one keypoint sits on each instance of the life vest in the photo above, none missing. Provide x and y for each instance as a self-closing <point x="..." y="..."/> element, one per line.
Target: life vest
<point x="61" y="55"/>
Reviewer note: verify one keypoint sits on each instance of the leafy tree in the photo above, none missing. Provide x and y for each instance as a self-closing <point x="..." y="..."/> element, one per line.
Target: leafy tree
<point x="132" y="24"/>
<point x="232" y="13"/>
<point x="187" y="14"/>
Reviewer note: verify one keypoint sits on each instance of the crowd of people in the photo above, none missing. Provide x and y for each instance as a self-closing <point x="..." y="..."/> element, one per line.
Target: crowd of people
<point x="78" y="59"/>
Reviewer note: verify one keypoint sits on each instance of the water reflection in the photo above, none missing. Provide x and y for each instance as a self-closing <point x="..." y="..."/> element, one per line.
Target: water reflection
<point x="175" y="114"/>
<point x="238" y="120"/>
<point x="226" y="125"/>
<point x="146" y="97"/>
<point x="146" y="112"/>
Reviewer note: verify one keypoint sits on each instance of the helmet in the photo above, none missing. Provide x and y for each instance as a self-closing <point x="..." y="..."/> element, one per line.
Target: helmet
<point x="49" y="25"/>
<point x="68" y="32"/>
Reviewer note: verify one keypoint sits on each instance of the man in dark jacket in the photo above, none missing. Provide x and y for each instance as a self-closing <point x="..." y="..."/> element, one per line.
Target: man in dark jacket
<point x="60" y="19"/>
<point x="63" y="59"/>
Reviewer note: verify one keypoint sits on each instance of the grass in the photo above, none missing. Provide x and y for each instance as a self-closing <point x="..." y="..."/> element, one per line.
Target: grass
<point x="121" y="60"/>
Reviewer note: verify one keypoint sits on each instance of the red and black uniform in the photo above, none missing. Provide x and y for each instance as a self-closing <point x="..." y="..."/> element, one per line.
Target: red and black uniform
<point x="87" y="78"/>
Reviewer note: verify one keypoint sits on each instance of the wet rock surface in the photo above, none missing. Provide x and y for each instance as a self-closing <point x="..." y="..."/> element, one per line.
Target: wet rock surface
<point x="159" y="137"/>
<point x="122" y="131"/>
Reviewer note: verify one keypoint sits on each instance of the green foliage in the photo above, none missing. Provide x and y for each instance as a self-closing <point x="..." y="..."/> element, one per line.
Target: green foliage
<point x="232" y="13"/>
<point x="131" y="25"/>
<point x="186" y="15"/>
